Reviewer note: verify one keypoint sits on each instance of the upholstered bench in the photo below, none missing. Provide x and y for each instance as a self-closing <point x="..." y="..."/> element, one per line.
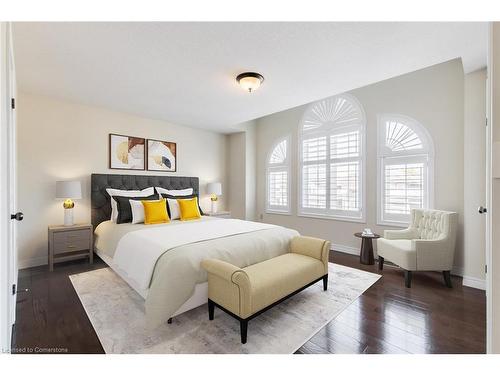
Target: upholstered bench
<point x="247" y="292"/>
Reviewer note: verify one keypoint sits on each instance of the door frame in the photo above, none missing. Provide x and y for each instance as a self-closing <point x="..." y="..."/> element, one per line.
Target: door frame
<point x="489" y="187"/>
<point x="8" y="259"/>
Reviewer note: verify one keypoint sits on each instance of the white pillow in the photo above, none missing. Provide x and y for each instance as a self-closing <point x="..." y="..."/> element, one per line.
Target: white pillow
<point x="137" y="211"/>
<point x="176" y="193"/>
<point x="126" y="193"/>
<point x="175" y="212"/>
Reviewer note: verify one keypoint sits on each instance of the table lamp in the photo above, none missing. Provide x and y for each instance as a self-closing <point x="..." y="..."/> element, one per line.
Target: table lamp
<point x="68" y="190"/>
<point x="214" y="189"/>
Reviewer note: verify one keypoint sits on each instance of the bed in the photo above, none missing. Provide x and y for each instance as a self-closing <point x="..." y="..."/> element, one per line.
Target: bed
<point x="162" y="262"/>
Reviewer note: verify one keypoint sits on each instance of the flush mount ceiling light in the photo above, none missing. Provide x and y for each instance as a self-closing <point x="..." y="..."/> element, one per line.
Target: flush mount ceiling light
<point x="250" y="81"/>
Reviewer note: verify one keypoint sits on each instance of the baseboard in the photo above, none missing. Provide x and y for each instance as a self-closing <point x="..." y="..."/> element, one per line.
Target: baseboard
<point x="474" y="282"/>
<point x="457" y="271"/>
<point x="32" y="262"/>
<point x="344" y="249"/>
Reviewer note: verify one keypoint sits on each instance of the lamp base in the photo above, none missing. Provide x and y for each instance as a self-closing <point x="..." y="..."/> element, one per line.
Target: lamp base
<point x="68" y="217"/>
<point x="214" y="207"/>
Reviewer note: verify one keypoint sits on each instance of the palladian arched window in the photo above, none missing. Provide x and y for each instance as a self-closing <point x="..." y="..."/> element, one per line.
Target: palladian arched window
<point x="331" y="157"/>
<point x="278" y="178"/>
<point x="405" y="168"/>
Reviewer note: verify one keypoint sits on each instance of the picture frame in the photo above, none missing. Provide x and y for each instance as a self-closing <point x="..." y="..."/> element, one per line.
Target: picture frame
<point x="161" y="156"/>
<point x="127" y="152"/>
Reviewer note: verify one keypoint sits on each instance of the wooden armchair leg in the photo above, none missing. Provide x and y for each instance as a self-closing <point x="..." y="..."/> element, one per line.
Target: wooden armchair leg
<point x="408" y="276"/>
<point x="380" y="263"/>
<point x="325" y="282"/>
<point x="447" y="279"/>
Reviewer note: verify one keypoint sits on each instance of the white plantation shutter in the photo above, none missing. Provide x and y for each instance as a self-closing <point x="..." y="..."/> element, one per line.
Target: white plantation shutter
<point x="278" y="188"/>
<point x="332" y="160"/>
<point x="278" y="179"/>
<point x="314" y="186"/>
<point x="405" y="168"/>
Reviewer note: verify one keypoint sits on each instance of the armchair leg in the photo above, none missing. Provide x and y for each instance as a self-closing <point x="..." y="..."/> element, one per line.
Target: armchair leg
<point x="325" y="282"/>
<point x="447" y="279"/>
<point x="408" y="276"/>
<point x="380" y="263"/>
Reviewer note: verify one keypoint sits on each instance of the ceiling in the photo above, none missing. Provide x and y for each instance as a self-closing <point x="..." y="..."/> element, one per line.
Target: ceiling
<point x="184" y="73"/>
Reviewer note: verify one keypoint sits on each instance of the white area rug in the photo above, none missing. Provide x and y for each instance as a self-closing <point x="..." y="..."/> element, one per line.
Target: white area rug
<point x="117" y="314"/>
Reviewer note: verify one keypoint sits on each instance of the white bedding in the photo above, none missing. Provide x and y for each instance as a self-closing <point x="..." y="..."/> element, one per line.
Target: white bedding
<point x="166" y="258"/>
<point x="154" y="242"/>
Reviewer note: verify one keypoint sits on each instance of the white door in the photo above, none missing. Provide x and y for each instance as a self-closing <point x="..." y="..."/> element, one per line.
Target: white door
<point x="8" y="186"/>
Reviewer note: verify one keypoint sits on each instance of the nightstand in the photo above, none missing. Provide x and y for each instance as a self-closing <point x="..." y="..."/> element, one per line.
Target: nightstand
<point x="221" y="214"/>
<point x="70" y="242"/>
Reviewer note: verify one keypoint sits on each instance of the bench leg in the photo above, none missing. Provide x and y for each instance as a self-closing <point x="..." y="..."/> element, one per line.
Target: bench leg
<point x="243" y="329"/>
<point x="325" y="282"/>
<point x="211" y="308"/>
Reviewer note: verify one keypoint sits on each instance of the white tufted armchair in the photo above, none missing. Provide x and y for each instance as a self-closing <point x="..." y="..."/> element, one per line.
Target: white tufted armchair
<point x="428" y="244"/>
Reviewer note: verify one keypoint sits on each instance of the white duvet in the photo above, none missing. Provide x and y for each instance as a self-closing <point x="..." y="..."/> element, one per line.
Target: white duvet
<point x="166" y="258"/>
<point x="137" y="252"/>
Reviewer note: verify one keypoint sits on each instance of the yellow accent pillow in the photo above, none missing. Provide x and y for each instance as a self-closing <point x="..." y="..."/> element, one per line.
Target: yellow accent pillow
<point x="189" y="208"/>
<point x="155" y="212"/>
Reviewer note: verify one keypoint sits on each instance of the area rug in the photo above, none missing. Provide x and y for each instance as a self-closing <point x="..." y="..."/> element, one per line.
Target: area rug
<point x="117" y="314"/>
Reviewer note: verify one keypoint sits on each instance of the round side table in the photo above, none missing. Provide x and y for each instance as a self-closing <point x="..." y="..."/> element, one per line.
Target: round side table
<point x="366" y="253"/>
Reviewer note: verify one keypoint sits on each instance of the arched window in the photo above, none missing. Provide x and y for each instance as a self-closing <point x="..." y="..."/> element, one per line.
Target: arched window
<point x="405" y="168"/>
<point x="332" y="143"/>
<point x="278" y="178"/>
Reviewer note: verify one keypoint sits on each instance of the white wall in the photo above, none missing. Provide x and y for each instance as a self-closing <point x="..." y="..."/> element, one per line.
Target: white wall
<point x="61" y="140"/>
<point x="236" y="174"/>
<point x="474" y="178"/>
<point x="242" y="171"/>
<point x="433" y="96"/>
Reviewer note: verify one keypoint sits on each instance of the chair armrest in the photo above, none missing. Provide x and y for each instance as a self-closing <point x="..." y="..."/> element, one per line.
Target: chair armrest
<point x="404" y="234"/>
<point x="220" y="268"/>
<point x="434" y="255"/>
<point x="312" y="247"/>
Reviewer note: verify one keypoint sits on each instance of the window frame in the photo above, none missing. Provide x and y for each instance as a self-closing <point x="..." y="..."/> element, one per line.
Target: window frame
<point x="285" y="166"/>
<point x="328" y="213"/>
<point x="384" y="154"/>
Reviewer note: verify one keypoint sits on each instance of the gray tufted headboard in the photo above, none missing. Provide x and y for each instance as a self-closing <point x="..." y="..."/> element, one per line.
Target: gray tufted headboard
<point x="100" y="199"/>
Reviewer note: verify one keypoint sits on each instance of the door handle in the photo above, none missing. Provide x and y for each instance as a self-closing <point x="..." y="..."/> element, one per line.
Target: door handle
<point x="482" y="210"/>
<point x="17" y="216"/>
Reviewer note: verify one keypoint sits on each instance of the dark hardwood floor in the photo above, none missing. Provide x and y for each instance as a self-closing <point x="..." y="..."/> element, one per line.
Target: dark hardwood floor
<point x="387" y="318"/>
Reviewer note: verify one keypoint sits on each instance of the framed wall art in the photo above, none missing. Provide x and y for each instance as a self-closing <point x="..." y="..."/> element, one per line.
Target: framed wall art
<point x="161" y="156"/>
<point x="126" y="152"/>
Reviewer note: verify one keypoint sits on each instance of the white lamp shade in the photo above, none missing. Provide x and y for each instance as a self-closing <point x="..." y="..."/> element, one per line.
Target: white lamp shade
<point x="214" y="188"/>
<point x="69" y="190"/>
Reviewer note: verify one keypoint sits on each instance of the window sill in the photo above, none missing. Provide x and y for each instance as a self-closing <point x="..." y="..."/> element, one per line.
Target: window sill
<point x="336" y="218"/>
<point x="276" y="212"/>
<point x="397" y="224"/>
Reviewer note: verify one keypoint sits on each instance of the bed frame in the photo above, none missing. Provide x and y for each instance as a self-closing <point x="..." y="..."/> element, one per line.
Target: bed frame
<point x="100" y="203"/>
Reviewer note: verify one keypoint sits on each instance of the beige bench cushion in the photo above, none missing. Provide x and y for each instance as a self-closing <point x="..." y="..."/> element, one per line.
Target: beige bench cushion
<point x="278" y="277"/>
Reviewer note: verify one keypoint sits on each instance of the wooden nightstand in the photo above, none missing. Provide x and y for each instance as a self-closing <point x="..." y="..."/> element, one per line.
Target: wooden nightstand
<point x="221" y="214"/>
<point x="70" y="242"/>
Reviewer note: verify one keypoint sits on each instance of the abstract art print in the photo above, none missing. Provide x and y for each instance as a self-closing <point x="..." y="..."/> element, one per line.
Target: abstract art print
<point x="126" y="152"/>
<point x="162" y="156"/>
